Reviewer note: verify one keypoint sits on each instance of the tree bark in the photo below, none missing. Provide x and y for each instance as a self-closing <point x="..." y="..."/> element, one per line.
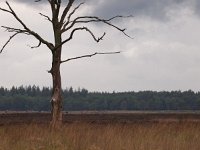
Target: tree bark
<point x="56" y="100"/>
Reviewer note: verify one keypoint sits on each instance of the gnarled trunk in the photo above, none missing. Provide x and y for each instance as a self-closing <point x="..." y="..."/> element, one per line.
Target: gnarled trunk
<point x="56" y="100"/>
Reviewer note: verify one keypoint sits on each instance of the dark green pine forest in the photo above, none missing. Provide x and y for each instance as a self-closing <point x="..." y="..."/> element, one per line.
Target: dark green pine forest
<point x="33" y="98"/>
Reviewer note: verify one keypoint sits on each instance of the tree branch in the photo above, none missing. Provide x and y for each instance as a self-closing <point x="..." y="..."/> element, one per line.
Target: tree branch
<point x="90" y="19"/>
<point x="96" y="19"/>
<point x="66" y="10"/>
<point x="26" y="29"/>
<point x="39" y="44"/>
<point x="10" y="29"/>
<point x="5" y="10"/>
<point x="90" y="55"/>
<point x="11" y="37"/>
<point x="51" y="2"/>
<point x="57" y="8"/>
<point x="82" y="28"/>
<point x="47" y="17"/>
<point x="70" y="15"/>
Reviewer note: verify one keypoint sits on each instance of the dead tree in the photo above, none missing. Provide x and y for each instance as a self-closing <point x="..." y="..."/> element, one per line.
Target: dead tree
<point x="62" y="23"/>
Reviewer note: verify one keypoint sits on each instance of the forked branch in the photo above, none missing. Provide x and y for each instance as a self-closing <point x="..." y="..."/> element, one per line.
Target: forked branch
<point x="90" y="55"/>
<point x="90" y="19"/>
<point x="97" y="39"/>
<point x="70" y="15"/>
<point x="26" y="30"/>
<point x="66" y="10"/>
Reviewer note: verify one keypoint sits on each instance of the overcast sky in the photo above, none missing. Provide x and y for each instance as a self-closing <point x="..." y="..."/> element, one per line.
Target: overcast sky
<point x="164" y="54"/>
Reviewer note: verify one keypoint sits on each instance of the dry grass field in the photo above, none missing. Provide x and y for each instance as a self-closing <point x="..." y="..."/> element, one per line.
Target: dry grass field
<point x="85" y="136"/>
<point x="101" y="131"/>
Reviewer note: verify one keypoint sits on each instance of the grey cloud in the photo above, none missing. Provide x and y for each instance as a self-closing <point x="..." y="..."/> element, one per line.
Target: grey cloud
<point x="156" y="9"/>
<point x="45" y="2"/>
<point x="42" y="1"/>
<point x="197" y="6"/>
<point x="31" y="1"/>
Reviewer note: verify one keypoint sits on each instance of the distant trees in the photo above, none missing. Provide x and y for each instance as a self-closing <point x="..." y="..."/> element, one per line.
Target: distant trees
<point x="32" y="98"/>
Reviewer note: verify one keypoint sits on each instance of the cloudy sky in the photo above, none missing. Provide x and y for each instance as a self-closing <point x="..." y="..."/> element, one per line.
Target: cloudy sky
<point x="164" y="54"/>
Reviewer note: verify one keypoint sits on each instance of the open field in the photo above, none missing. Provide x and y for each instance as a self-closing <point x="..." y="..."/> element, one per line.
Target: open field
<point x="101" y="131"/>
<point x="102" y="117"/>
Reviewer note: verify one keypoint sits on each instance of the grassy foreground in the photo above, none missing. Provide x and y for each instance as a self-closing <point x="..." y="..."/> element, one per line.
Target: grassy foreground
<point x="82" y="136"/>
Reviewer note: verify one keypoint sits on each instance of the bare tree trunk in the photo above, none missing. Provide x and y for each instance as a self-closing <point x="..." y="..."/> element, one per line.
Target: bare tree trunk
<point x="56" y="100"/>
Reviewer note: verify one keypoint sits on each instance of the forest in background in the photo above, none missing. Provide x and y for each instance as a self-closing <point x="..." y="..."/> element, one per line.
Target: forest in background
<point x="33" y="98"/>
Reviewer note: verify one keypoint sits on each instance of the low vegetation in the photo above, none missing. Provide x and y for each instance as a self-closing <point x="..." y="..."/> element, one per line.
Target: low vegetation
<point x="84" y="136"/>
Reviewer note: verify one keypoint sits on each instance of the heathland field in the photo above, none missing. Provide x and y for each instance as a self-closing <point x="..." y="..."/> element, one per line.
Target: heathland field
<point x="171" y="132"/>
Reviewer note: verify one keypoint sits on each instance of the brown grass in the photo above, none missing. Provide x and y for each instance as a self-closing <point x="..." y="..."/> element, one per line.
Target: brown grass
<point x="83" y="136"/>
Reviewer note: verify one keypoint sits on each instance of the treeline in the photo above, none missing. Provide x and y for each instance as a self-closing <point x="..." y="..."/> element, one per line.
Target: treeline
<point x="32" y="98"/>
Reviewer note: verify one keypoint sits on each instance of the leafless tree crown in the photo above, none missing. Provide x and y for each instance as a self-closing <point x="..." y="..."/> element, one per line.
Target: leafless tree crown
<point x="62" y="22"/>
